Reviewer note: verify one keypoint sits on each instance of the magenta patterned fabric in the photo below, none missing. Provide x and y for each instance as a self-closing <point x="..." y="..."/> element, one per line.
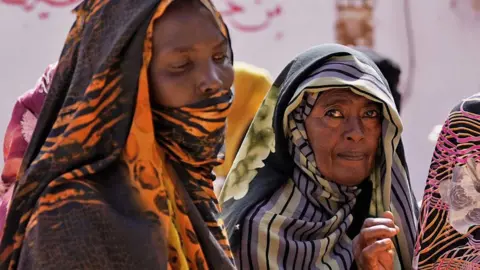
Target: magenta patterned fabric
<point x="449" y="226"/>
<point x="18" y="135"/>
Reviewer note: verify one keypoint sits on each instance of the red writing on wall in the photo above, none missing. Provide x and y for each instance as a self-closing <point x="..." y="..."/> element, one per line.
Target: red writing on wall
<point x="244" y="15"/>
<point x="251" y="16"/>
<point x="30" y="5"/>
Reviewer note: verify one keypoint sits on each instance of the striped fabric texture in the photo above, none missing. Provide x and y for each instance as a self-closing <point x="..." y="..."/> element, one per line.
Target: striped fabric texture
<point x="302" y="223"/>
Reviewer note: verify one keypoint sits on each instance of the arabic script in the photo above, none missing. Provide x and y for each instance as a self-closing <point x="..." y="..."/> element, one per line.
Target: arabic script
<point x="250" y="15"/>
<point x="30" y="5"/>
<point x="245" y="16"/>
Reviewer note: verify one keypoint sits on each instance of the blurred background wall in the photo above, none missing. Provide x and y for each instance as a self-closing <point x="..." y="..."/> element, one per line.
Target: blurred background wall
<point x="436" y="43"/>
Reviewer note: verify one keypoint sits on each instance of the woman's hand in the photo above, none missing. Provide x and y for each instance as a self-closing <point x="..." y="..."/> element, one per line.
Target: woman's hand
<point x="373" y="248"/>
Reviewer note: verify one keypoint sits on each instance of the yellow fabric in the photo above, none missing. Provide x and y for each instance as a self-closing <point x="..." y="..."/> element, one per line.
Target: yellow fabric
<point x="250" y="87"/>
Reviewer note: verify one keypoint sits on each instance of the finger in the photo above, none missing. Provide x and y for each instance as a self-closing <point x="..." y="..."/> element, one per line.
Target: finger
<point x="389" y="215"/>
<point x="370" y="222"/>
<point x="372" y="251"/>
<point x="387" y="258"/>
<point x="371" y="234"/>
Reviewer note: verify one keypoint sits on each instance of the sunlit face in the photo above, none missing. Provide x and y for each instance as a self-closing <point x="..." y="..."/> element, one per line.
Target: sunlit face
<point x="344" y="132"/>
<point x="191" y="57"/>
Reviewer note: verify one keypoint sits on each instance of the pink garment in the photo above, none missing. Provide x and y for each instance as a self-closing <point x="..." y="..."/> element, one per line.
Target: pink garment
<point x="18" y="135"/>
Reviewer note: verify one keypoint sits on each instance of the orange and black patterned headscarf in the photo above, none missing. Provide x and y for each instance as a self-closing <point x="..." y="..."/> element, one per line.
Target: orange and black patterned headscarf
<point x="96" y="189"/>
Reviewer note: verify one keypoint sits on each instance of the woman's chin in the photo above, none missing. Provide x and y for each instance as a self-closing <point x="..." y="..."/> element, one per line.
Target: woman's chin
<point x="350" y="177"/>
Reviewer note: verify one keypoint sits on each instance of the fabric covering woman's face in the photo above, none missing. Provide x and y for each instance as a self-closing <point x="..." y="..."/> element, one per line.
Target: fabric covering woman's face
<point x="343" y="129"/>
<point x="189" y="63"/>
<point x="116" y="153"/>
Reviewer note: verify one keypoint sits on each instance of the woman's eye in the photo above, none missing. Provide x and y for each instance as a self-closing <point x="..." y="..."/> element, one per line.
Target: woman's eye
<point x="180" y="65"/>
<point x="334" y="113"/>
<point x="372" y="114"/>
<point x="220" y="57"/>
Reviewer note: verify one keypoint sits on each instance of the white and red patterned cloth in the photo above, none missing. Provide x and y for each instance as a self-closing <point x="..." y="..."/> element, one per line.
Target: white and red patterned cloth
<point x="18" y="135"/>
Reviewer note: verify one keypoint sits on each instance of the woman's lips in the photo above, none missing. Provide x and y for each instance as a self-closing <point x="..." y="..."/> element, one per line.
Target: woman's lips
<point x="352" y="156"/>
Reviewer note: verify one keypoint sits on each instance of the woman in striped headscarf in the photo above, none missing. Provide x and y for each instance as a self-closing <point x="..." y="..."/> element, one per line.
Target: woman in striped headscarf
<point x="118" y="173"/>
<point x="320" y="181"/>
<point x="449" y="226"/>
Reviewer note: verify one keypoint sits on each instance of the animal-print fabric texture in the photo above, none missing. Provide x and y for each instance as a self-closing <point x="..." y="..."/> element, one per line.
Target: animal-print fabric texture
<point x="93" y="190"/>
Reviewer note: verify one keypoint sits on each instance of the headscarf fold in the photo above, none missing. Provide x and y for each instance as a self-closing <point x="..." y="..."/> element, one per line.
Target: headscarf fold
<point x="280" y="212"/>
<point x="449" y="225"/>
<point x="390" y="70"/>
<point x="95" y="189"/>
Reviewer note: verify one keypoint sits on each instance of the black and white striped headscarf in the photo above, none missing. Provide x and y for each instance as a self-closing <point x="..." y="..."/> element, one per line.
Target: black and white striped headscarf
<point x="303" y="223"/>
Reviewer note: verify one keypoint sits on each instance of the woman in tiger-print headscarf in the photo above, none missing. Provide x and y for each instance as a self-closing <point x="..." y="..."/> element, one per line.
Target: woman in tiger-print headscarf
<point x="118" y="174"/>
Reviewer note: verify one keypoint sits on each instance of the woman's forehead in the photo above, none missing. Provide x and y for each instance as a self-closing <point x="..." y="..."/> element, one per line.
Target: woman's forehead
<point x="178" y="29"/>
<point x="344" y="95"/>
